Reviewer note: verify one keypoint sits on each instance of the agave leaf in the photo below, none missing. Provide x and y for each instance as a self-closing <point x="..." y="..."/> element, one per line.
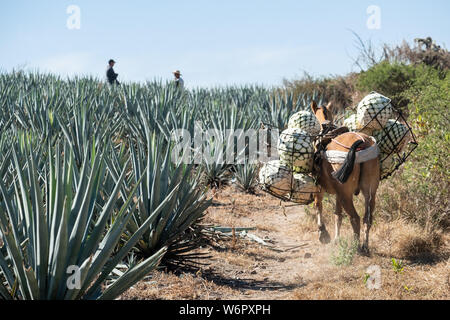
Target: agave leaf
<point x="32" y="282"/>
<point x="79" y="228"/>
<point x="58" y="262"/>
<point x="41" y="227"/>
<point x="133" y="275"/>
<point x="25" y="203"/>
<point x="5" y="270"/>
<point x="131" y="242"/>
<point x="4" y="293"/>
<point x="13" y="247"/>
<point x="97" y="231"/>
<point x="71" y="294"/>
<point x="109" y="241"/>
<point x="56" y="187"/>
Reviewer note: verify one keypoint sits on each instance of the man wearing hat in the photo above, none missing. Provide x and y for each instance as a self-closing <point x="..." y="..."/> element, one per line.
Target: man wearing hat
<point x="110" y="74"/>
<point x="179" y="82"/>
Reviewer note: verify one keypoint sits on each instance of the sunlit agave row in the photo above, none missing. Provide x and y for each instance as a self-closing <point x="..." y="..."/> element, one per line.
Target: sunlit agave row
<point x="231" y="146"/>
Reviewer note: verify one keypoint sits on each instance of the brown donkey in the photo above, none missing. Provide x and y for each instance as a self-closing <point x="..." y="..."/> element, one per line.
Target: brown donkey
<point x="363" y="177"/>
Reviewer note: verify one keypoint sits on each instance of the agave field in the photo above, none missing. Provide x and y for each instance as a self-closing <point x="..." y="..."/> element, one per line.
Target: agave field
<point x="88" y="179"/>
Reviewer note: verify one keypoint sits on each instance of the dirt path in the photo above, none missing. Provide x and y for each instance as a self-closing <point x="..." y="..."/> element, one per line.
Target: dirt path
<point x="296" y="266"/>
<point x="268" y="271"/>
<point x="262" y="272"/>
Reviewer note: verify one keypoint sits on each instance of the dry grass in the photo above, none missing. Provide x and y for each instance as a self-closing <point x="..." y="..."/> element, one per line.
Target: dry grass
<point x="298" y="267"/>
<point x="404" y="240"/>
<point x="338" y="90"/>
<point x="168" y="286"/>
<point x="414" y="282"/>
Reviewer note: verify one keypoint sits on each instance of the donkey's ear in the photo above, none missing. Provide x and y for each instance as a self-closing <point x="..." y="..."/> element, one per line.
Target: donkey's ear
<point x="330" y="107"/>
<point x="314" y="106"/>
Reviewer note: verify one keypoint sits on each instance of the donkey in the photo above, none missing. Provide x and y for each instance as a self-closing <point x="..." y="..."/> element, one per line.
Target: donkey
<point x="364" y="177"/>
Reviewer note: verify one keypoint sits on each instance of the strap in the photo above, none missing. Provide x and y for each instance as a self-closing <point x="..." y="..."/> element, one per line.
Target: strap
<point x="343" y="145"/>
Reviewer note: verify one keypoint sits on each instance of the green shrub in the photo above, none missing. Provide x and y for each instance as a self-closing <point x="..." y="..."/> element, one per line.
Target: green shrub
<point x="420" y="191"/>
<point x="397" y="265"/>
<point x="344" y="252"/>
<point x="389" y="79"/>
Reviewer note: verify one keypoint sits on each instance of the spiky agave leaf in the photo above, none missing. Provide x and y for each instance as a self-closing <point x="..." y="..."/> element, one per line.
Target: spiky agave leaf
<point x="162" y="177"/>
<point x="246" y="176"/>
<point x="43" y="239"/>
<point x="218" y="152"/>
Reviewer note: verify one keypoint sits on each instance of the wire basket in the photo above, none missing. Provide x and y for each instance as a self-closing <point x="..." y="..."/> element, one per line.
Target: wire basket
<point x="289" y="179"/>
<point x="396" y="140"/>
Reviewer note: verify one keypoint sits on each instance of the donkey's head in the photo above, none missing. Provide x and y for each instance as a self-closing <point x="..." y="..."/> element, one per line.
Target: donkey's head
<point x="324" y="113"/>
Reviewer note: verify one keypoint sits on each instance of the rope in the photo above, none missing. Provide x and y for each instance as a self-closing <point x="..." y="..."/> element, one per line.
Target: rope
<point x="343" y="145"/>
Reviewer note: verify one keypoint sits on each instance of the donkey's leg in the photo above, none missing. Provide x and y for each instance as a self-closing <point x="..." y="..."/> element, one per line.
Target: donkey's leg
<point x="369" y="184"/>
<point x="347" y="203"/>
<point x="368" y="219"/>
<point x="324" y="236"/>
<point x="338" y="219"/>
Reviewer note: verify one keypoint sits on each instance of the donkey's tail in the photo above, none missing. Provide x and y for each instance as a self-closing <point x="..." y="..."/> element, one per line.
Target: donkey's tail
<point x="346" y="169"/>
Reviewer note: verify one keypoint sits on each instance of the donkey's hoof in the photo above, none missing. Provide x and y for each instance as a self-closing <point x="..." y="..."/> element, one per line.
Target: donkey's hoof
<point x="364" y="250"/>
<point x="324" y="236"/>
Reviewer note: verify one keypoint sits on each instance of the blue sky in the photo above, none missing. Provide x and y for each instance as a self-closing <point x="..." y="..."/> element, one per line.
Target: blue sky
<point x="211" y="42"/>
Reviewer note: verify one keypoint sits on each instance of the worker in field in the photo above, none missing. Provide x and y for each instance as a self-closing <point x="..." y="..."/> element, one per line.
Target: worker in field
<point x="110" y="74"/>
<point x="179" y="82"/>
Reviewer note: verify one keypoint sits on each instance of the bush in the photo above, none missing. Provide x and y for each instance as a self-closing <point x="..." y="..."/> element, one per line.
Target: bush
<point x="420" y="191"/>
<point x="389" y="79"/>
<point x="338" y="90"/>
<point x="421" y="248"/>
<point x="425" y="51"/>
<point x="344" y="252"/>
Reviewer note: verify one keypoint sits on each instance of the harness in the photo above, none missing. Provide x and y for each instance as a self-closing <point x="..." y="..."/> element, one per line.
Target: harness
<point x="347" y="147"/>
<point x="364" y="155"/>
<point x="327" y="135"/>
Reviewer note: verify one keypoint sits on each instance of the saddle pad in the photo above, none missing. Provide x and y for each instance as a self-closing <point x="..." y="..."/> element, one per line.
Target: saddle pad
<point x="333" y="156"/>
